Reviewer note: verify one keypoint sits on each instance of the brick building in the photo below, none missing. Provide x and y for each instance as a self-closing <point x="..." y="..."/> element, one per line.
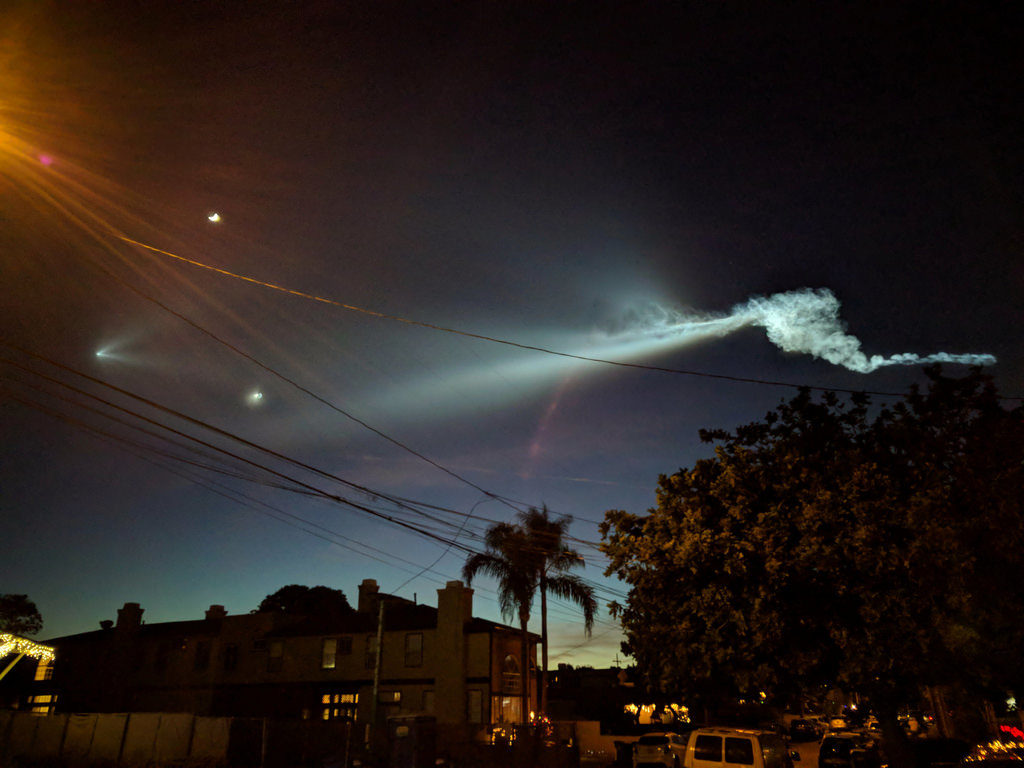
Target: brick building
<point x="440" y="661"/>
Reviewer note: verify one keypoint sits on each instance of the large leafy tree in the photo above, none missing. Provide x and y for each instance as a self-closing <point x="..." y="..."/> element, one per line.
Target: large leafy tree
<point x="19" y="615"/>
<point x="836" y="542"/>
<point x="301" y="600"/>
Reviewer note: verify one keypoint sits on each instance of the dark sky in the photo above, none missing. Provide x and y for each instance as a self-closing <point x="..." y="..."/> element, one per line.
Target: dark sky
<point x="536" y="172"/>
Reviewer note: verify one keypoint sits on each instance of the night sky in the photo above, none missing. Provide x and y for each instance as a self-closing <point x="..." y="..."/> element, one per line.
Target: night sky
<point x="542" y="173"/>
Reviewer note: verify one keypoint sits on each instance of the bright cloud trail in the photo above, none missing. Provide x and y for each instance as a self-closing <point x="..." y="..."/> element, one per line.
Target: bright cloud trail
<point x="804" y="321"/>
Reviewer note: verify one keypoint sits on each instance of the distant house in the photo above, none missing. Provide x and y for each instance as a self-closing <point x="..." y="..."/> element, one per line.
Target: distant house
<point x="440" y="661"/>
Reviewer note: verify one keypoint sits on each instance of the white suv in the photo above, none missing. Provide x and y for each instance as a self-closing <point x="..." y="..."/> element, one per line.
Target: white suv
<point x="664" y="750"/>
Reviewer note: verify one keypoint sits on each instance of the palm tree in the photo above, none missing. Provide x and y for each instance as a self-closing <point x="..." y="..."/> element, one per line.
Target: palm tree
<point x="508" y="559"/>
<point x="554" y="560"/>
<point x="529" y="556"/>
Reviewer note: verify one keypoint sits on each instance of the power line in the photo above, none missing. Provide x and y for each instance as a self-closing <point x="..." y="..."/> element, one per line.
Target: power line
<point x="297" y="482"/>
<point x="509" y="342"/>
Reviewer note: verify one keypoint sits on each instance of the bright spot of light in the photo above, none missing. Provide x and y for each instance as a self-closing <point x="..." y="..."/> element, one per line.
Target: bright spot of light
<point x="102" y="352"/>
<point x="254" y="398"/>
<point x="46" y="160"/>
<point x="214" y="217"/>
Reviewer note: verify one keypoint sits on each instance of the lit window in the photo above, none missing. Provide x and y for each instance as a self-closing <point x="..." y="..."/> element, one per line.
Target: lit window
<point x="334" y="705"/>
<point x="44" y="670"/>
<point x="329" y="653"/>
<point x="43" y="704"/>
<point x="510" y="674"/>
<point x="390" y="697"/>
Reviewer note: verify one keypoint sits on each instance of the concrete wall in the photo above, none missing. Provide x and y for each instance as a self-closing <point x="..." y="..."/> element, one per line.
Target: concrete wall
<point x="137" y="739"/>
<point x="147" y="739"/>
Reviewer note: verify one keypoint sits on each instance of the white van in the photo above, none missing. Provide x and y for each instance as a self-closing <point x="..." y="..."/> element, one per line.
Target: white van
<point x="734" y="748"/>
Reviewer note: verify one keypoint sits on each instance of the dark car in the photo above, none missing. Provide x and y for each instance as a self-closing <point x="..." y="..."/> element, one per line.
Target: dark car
<point x="803" y="730"/>
<point x="939" y="753"/>
<point x="848" y="750"/>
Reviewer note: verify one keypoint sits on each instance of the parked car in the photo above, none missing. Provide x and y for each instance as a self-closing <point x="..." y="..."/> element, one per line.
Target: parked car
<point x="848" y="750"/>
<point x="659" y="749"/>
<point x="802" y="729"/>
<point x="735" y="748"/>
<point x="939" y="753"/>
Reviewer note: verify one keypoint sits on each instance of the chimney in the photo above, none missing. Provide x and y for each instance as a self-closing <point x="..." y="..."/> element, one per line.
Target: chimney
<point x="129" y="617"/>
<point x="454" y="609"/>
<point x="368" y="596"/>
<point x="454" y="604"/>
<point x="215" y="612"/>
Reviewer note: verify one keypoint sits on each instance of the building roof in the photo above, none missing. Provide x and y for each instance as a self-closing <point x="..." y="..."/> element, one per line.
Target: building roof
<point x="399" y="615"/>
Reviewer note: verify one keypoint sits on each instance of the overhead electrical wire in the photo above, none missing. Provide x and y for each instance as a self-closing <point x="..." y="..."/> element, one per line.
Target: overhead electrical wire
<point x="508" y="342"/>
<point x="297" y="482"/>
<point x="224" y="491"/>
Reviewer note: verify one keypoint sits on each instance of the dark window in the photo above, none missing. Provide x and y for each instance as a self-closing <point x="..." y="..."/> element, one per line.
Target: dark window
<point x="371" y="652"/>
<point x="474" y="706"/>
<point x="275" y="657"/>
<point x="202" y="661"/>
<point x="739" y="751"/>
<point x="414" y="650"/>
<point x="230" y="657"/>
<point x="163" y="655"/>
<point x="344" y="646"/>
<point x="708" y="748"/>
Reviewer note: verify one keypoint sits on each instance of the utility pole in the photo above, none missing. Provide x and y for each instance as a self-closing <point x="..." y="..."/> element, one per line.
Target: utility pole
<point x="372" y="734"/>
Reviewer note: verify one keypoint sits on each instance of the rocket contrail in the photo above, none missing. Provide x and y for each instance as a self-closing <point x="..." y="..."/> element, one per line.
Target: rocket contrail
<point x="805" y="321"/>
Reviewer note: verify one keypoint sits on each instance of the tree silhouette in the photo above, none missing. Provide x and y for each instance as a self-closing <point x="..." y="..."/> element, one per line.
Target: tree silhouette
<point x="306" y="601"/>
<point x="554" y="560"/>
<point x="525" y="557"/>
<point x="19" y="616"/>
<point x="508" y="560"/>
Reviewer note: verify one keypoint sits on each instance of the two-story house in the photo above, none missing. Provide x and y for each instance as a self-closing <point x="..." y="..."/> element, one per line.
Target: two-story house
<point x="440" y="661"/>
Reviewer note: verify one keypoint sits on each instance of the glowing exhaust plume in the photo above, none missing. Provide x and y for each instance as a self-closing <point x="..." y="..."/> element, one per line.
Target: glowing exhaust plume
<point x="805" y="321"/>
